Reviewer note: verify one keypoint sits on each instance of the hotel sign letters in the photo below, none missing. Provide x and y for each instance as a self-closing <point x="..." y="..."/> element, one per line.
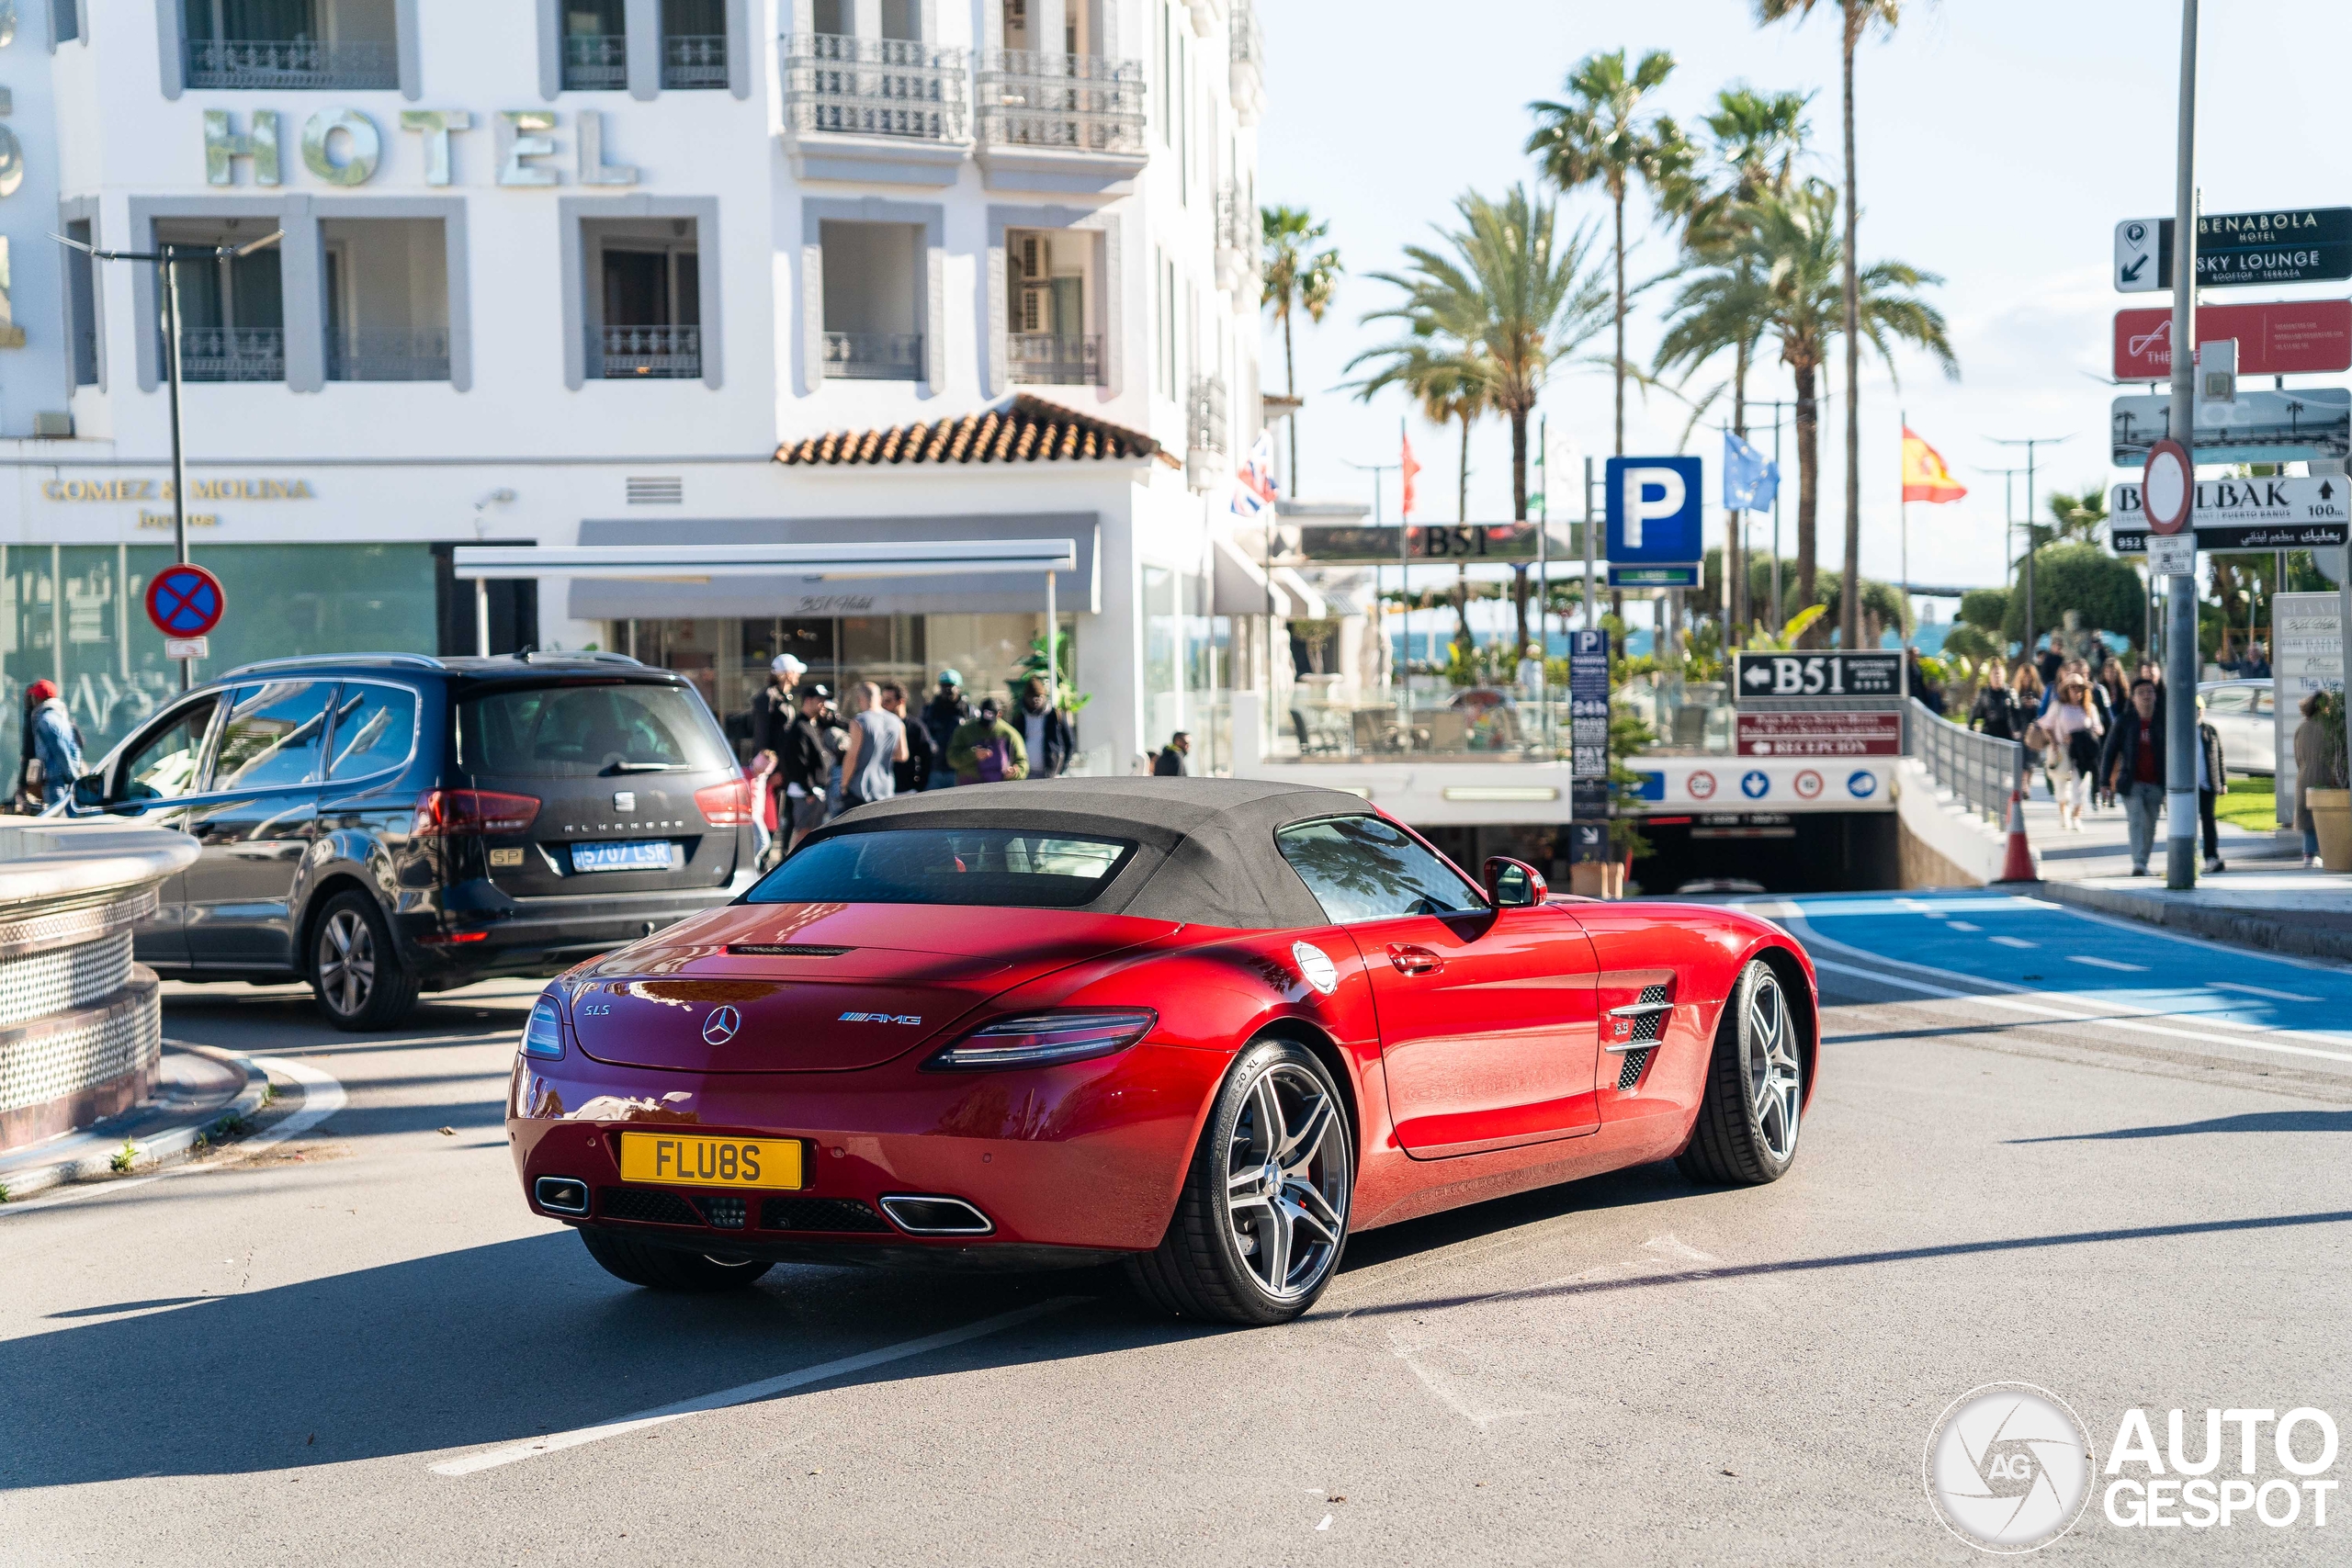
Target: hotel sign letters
<point x="342" y="146"/>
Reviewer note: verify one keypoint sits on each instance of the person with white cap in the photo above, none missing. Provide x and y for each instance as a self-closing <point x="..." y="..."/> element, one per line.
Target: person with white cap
<point x="773" y="712"/>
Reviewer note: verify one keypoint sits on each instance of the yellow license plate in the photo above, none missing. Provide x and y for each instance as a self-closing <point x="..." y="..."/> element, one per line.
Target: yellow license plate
<point x="679" y="1159"/>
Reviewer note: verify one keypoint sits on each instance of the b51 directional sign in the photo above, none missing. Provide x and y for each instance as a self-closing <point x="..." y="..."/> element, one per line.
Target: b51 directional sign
<point x="1866" y="673"/>
<point x="2305" y="244"/>
<point x="2246" y="514"/>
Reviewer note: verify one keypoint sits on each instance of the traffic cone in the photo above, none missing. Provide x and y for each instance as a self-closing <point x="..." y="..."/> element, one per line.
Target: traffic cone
<point x="2019" y="867"/>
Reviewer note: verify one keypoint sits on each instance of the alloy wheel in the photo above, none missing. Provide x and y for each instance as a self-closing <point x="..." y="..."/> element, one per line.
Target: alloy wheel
<point x="347" y="961"/>
<point x="1286" y="1180"/>
<point x="1775" y="1083"/>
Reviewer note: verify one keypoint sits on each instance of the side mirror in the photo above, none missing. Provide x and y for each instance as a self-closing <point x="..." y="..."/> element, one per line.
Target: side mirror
<point x="90" y="792"/>
<point x="1515" y="883"/>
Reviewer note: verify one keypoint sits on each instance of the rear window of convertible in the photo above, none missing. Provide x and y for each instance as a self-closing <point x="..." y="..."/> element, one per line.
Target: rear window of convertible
<point x="1005" y="866"/>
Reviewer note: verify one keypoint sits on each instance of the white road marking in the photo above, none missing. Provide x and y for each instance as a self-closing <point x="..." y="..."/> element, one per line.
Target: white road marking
<point x="1962" y="926"/>
<point x="2106" y="963"/>
<point x="1326" y="1524"/>
<point x="2012" y="942"/>
<point x="2262" y="991"/>
<point x="746" y="1393"/>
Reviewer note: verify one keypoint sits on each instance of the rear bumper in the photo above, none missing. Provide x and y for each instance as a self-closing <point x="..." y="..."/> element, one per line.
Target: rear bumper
<point x="545" y="936"/>
<point x="1067" y="1163"/>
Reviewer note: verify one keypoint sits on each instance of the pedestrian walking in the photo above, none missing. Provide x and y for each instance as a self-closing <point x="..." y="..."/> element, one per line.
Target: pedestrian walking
<point x="1045" y="730"/>
<point x="2213" y="778"/>
<point x="1930" y="693"/>
<point x="941" y="718"/>
<point x="2075" y="733"/>
<point x="2133" y="764"/>
<point x="914" y="773"/>
<point x="1994" y="713"/>
<point x="806" y="765"/>
<point x="772" y="711"/>
<point x="985" y="750"/>
<point x="877" y="743"/>
<point x="2314" y="769"/>
<point x="54" y="747"/>
<point x="1170" y="764"/>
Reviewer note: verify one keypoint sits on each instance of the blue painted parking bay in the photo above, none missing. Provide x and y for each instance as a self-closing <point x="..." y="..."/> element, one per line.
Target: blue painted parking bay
<point x="2043" y="957"/>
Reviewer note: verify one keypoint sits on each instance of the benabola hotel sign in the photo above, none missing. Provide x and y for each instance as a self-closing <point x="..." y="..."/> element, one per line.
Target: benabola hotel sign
<point x="2295" y="337"/>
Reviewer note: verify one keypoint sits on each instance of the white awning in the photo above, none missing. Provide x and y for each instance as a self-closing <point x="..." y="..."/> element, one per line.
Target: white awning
<point x="1239" y="586"/>
<point x="698" y="563"/>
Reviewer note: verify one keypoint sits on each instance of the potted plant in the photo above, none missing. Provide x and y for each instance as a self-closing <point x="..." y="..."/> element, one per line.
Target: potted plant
<point x="2330" y="802"/>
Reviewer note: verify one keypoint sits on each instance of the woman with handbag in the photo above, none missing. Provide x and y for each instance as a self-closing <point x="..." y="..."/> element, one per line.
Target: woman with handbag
<point x="2074" y="732"/>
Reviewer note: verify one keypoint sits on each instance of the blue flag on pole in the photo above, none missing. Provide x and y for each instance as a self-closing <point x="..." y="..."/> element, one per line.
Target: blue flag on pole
<point x="1750" y="480"/>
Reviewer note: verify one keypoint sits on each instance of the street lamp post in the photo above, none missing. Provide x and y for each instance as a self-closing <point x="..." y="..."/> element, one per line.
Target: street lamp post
<point x="166" y="261"/>
<point x="2180" y="606"/>
<point x="2029" y="443"/>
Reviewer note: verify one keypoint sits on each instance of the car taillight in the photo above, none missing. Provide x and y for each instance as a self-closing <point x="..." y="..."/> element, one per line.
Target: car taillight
<point x="543" y="1035"/>
<point x="443" y="812"/>
<point x="1042" y="1039"/>
<point x="726" y="805"/>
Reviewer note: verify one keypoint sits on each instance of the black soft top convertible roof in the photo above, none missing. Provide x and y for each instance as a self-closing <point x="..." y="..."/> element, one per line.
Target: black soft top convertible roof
<point x="1205" y="849"/>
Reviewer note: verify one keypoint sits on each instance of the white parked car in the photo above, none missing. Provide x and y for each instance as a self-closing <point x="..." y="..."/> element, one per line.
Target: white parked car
<point x="2242" y="714"/>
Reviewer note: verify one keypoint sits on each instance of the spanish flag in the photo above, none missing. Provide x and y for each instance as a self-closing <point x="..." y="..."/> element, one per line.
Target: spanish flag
<point x="1925" y="478"/>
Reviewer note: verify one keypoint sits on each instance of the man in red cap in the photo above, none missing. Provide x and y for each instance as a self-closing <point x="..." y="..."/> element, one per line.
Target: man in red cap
<point x="54" y="744"/>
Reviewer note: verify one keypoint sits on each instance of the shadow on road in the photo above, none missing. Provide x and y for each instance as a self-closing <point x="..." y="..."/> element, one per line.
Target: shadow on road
<point x="2251" y="1121"/>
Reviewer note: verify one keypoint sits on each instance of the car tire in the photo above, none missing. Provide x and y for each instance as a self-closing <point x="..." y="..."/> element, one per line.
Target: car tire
<point x="1750" y="1114"/>
<point x="668" y="1268"/>
<point x="355" y="969"/>
<point x="1262" y="1218"/>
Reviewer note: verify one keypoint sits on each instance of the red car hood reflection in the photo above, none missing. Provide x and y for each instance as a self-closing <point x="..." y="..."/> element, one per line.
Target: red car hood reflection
<point x="823" y="987"/>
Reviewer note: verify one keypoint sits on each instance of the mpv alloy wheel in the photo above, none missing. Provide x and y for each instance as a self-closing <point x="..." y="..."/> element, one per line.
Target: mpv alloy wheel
<point x="355" y="970"/>
<point x="347" y="961"/>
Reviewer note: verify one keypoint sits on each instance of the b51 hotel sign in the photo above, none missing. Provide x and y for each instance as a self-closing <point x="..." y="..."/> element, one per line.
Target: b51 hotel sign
<point x="343" y="146"/>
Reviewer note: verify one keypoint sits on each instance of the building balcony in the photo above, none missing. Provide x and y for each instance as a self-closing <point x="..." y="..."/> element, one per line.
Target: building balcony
<point x="873" y="356"/>
<point x="1247" y="73"/>
<point x="1206" y="15"/>
<point x="624" y="354"/>
<point x="297" y="64"/>
<point x="388" y="357"/>
<point x="1055" y="359"/>
<point x="594" y="63"/>
<point x="1060" y="122"/>
<point x="232" y="353"/>
<point x="887" y="109"/>
<point x="691" y="60"/>
<point x="1205" y="432"/>
<point x="1237" y="245"/>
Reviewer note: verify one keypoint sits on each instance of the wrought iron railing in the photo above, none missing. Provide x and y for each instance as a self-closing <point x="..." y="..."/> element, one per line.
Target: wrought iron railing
<point x="1979" y="770"/>
<point x="1081" y="103"/>
<point x="294" y="64"/>
<point x="1205" y="424"/>
<point x="596" y="63"/>
<point x="1059" y="359"/>
<point x="1248" y="45"/>
<point x="873" y="357"/>
<point x="232" y="353"/>
<point x="856" y="87"/>
<point x="388" y="357"/>
<point x="693" y="60"/>
<point x="652" y="352"/>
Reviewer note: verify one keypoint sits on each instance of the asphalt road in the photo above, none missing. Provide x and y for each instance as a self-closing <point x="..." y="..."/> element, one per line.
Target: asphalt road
<point x="2046" y="1149"/>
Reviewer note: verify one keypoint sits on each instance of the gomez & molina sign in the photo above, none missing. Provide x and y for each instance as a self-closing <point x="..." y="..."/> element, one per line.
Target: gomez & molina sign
<point x="161" y="489"/>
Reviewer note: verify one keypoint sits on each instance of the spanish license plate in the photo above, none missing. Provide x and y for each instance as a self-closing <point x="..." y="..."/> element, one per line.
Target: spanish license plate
<point x="680" y="1159"/>
<point x="632" y="855"/>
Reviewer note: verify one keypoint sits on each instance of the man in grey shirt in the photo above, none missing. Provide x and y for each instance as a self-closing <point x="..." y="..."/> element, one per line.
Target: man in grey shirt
<point x="876" y="739"/>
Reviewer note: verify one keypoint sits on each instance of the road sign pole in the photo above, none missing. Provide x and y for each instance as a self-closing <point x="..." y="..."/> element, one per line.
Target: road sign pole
<point x="2180" y="609"/>
<point x="171" y="270"/>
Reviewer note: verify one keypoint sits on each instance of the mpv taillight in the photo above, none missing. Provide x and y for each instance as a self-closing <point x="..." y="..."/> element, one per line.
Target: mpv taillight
<point x="726" y="805"/>
<point x="441" y="813"/>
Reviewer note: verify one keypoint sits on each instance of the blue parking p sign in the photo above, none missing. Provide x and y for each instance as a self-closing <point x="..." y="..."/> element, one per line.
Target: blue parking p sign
<point x="1655" y="521"/>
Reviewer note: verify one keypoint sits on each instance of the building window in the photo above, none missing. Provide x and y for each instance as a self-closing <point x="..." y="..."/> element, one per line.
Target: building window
<point x="302" y="45"/>
<point x="1050" y="338"/>
<point x="595" y="46"/>
<point x="694" y="43"/>
<point x="82" y="303"/>
<point x="647" y="299"/>
<point x="388" y="300"/>
<point x="233" y="308"/>
<point x="873" y="301"/>
<point x="66" y="15"/>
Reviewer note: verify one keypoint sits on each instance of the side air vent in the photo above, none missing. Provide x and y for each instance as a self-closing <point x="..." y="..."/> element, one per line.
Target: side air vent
<point x="784" y="950"/>
<point x="839" y="1216"/>
<point x="1648" y="1016"/>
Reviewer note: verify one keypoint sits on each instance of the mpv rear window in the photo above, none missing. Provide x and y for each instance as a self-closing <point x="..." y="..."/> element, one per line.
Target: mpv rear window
<point x="1005" y="866"/>
<point x="587" y="731"/>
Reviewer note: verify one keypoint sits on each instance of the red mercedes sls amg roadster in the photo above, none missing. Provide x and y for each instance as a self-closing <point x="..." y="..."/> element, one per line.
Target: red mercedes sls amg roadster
<point x="1205" y="1026"/>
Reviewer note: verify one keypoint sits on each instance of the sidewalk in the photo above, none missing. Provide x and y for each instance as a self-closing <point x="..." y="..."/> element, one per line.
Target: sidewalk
<point x="200" y="1089"/>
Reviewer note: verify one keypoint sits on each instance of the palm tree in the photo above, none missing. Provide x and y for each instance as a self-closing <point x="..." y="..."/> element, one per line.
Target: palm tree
<point x="1511" y="299"/>
<point x="1858" y="15"/>
<point x="1298" y="277"/>
<point x="2081" y="518"/>
<point x="1449" y="379"/>
<point x="1600" y="134"/>
<point x="1756" y="140"/>
<point x="1793" y="247"/>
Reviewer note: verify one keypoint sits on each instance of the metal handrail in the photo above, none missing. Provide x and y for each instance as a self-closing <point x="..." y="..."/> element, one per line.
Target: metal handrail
<point x="838" y="84"/>
<point x="1979" y="770"/>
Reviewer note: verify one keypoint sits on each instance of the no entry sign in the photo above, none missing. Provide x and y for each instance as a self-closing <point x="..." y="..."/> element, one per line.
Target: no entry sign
<point x="2299" y="337"/>
<point x="185" y="600"/>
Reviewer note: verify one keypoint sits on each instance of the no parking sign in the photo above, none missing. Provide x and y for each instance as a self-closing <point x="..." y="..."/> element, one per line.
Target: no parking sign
<point x="185" y="602"/>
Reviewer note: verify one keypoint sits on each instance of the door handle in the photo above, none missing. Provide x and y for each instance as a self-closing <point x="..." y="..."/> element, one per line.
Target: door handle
<point x="1412" y="959"/>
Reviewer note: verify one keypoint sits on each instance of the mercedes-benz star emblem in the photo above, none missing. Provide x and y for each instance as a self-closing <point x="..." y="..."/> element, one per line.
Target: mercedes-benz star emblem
<point x="721" y="1025"/>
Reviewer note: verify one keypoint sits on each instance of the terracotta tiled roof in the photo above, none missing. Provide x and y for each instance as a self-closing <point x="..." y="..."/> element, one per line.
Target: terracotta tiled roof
<point x="1025" y="429"/>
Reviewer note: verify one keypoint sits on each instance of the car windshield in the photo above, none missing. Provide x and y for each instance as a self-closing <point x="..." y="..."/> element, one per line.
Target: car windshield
<point x="588" y="731"/>
<point x="1004" y="866"/>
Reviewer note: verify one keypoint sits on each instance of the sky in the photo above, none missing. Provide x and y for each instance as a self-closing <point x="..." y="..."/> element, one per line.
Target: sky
<point x="2000" y="142"/>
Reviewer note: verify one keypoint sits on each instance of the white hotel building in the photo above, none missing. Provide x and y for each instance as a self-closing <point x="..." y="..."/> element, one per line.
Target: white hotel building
<point x="639" y="272"/>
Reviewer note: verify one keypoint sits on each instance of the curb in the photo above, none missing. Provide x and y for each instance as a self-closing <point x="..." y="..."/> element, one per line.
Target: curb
<point x="156" y="1152"/>
<point x="2266" y="933"/>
